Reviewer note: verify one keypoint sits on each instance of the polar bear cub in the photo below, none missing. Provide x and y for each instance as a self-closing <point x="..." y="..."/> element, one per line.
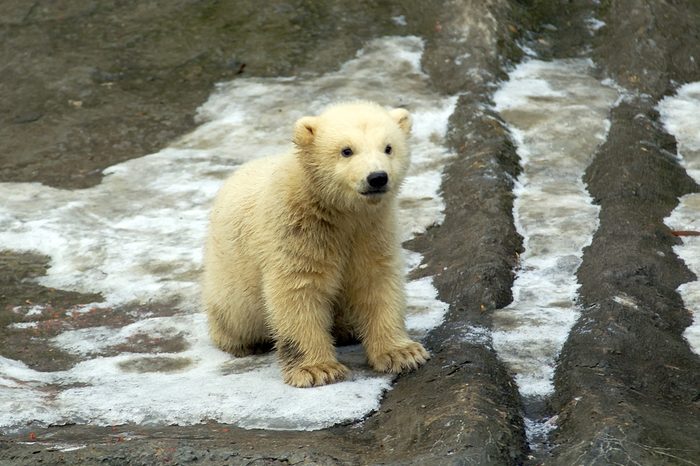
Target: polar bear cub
<point x="303" y="250"/>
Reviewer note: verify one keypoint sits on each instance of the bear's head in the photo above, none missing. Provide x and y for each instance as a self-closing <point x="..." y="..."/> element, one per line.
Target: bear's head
<point x="354" y="154"/>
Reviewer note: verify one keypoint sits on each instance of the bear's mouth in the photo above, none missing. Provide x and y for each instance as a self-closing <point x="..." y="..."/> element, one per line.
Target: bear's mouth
<point x="372" y="192"/>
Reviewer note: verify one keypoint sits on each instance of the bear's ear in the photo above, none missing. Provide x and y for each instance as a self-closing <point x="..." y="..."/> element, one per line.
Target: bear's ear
<point x="305" y="130"/>
<point x="402" y="118"/>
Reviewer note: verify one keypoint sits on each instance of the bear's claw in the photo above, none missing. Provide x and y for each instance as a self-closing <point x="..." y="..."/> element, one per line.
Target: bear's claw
<point x="316" y="375"/>
<point x="403" y="359"/>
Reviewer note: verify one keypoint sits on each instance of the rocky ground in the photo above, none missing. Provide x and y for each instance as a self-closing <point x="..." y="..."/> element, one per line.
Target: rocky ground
<point x="86" y="84"/>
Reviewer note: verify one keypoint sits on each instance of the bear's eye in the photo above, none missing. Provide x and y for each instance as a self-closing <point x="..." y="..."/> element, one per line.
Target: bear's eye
<point x="388" y="149"/>
<point x="346" y="152"/>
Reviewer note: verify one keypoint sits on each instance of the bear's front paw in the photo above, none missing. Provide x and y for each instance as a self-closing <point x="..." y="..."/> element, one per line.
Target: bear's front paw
<point x="402" y="359"/>
<point x="316" y="375"/>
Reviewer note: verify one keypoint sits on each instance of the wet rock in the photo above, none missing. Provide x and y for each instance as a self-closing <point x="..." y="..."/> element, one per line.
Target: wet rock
<point x="27" y="117"/>
<point x="143" y="70"/>
<point x="155" y="364"/>
<point x="19" y="294"/>
<point x="648" y="47"/>
<point x="627" y="379"/>
<point x="146" y="70"/>
<point x="626" y="385"/>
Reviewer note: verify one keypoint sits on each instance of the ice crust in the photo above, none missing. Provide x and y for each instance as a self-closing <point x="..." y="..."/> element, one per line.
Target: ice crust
<point x="680" y="115"/>
<point x="137" y="239"/>
<point x="557" y="115"/>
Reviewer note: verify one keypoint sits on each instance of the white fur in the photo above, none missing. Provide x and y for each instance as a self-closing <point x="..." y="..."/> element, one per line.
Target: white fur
<point x="298" y="252"/>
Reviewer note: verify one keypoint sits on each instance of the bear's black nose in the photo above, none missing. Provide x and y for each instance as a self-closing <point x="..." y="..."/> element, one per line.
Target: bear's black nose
<point x="377" y="179"/>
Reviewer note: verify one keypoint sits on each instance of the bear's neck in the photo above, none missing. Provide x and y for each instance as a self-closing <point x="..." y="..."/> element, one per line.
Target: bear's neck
<point x="305" y="201"/>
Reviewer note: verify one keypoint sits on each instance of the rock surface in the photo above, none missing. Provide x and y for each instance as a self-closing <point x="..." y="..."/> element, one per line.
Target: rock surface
<point x="87" y="84"/>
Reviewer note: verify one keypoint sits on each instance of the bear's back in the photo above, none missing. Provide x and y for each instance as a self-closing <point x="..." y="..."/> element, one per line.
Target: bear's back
<point x="248" y="199"/>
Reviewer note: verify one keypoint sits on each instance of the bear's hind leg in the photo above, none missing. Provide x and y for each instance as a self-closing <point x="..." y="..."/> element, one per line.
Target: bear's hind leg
<point x="238" y="328"/>
<point x="233" y="302"/>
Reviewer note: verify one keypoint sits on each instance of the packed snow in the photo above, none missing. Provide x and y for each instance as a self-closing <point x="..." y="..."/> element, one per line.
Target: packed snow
<point x="557" y="114"/>
<point x="681" y="117"/>
<point x="137" y="240"/>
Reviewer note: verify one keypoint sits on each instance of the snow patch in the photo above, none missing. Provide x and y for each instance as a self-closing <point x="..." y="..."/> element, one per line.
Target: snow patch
<point x="557" y="115"/>
<point x="137" y="239"/>
<point x="399" y="20"/>
<point x="476" y="335"/>
<point x="537" y="431"/>
<point x="626" y="301"/>
<point x="594" y="24"/>
<point x="681" y="117"/>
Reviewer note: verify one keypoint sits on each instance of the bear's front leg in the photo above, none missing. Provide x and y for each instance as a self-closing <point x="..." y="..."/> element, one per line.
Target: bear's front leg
<point x="377" y="302"/>
<point x="300" y="317"/>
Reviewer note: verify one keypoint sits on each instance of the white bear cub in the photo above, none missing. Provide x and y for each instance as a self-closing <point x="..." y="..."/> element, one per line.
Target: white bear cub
<point x="303" y="250"/>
